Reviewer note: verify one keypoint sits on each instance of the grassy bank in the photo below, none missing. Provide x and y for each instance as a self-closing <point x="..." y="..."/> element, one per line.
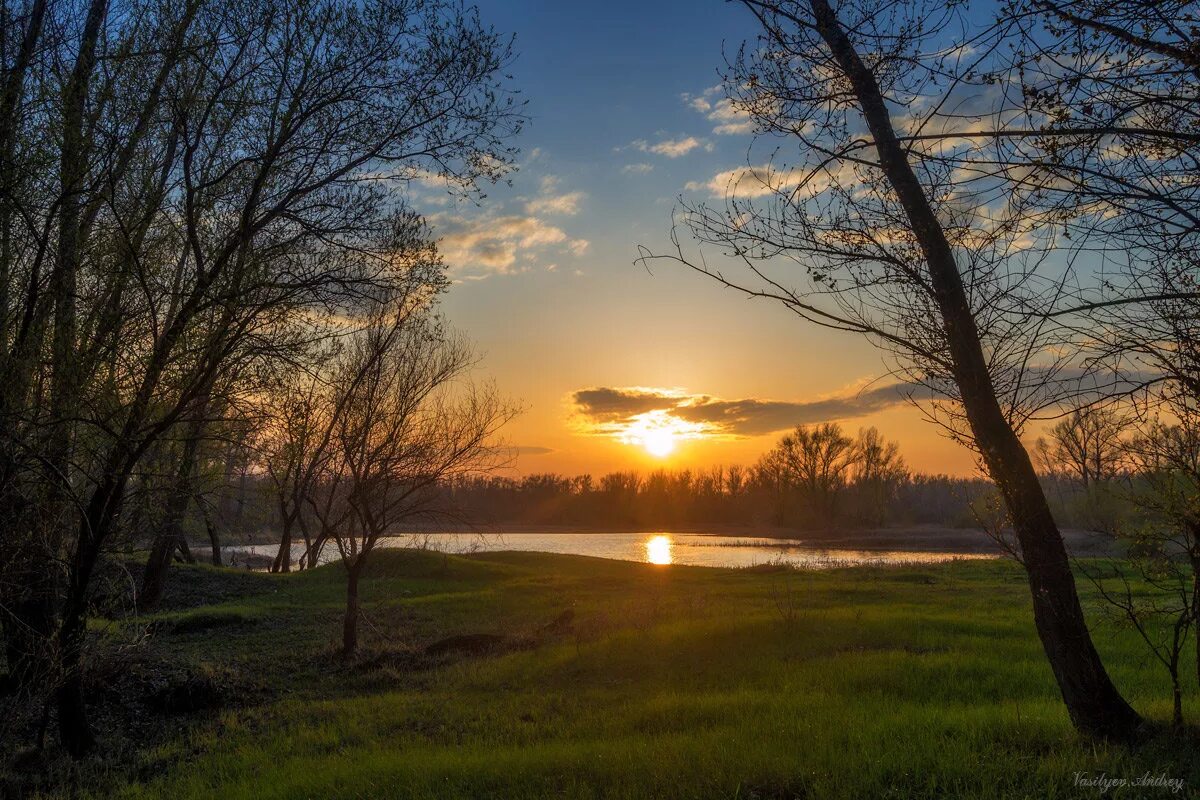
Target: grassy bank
<point x="669" y="682"/>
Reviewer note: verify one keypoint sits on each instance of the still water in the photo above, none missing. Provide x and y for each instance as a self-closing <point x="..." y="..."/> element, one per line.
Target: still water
<point x="691" y="549"/>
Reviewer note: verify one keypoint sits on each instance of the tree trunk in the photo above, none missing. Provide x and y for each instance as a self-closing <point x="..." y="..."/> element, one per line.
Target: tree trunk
<point x="214" y="540"/>
<point x="73" y="726"/>
<point x="183" y="549"/>
<point x="1195" y="557"/>
<point x="1092" y="701"/>
<point x="283" y="558"/>
<point x="350" y="623"/>
<point x="170" y="535"/>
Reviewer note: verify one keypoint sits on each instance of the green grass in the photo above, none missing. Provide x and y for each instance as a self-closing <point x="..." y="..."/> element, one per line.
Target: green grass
<point x="677" y="682"/>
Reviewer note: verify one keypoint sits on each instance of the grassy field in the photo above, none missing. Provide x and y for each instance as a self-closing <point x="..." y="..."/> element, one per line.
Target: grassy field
<point x="671" y="682"/>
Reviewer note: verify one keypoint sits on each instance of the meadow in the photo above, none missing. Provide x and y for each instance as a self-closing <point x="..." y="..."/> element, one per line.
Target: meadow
<point x="610" y="679"/>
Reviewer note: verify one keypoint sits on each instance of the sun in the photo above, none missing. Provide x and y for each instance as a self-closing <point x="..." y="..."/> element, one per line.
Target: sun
<point x="657" y="432"/>
<point x="659" y="442"/>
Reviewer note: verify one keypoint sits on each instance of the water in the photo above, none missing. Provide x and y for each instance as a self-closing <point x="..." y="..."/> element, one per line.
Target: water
<point x="691" y="549"/>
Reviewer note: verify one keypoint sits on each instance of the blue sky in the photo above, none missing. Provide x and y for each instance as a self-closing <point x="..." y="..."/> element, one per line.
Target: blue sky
<point x="624" y="119"/>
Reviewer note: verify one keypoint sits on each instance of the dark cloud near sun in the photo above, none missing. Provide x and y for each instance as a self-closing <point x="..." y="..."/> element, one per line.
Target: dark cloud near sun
<point x="609" y="408"/>
<point x="531" y="450"/>
<point x="612" y="405"/>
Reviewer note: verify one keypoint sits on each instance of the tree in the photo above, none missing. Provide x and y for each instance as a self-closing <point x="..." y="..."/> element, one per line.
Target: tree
<point x="810" y="464"/>
<point x="1166" y="472"/>
<point x="400" y="423"/>
<point x="1087" y="443"/>
<point x="1109" y="105"/>
<point x="211" y="201"/>
<point x="900" y="242"/>
<point x="877" y="474"/>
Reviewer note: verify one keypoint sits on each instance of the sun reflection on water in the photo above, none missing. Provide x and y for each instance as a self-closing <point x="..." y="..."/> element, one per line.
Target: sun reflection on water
<point x="658" y="550"/>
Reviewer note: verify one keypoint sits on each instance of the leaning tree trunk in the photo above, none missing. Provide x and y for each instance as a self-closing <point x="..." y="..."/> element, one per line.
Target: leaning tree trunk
<point x="1093" y="702"/>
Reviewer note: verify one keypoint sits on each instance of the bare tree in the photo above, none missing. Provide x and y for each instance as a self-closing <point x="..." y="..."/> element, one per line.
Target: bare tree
<point x="1161" y="620"/>
<point x="812" y="463"/>
<point x="1087" y="443"/>
<point x="402" y="422"/>
<point x="900" y="240"/>
<point x="877" y="472"/>
<point x="1165" y="461"/>
<point x="1104" y="105"/>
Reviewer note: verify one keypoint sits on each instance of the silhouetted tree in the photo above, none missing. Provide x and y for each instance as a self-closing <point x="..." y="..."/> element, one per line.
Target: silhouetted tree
<point x="400" y="421"/>
<point x="189" y="190"/>
<point x="899" y="239"/>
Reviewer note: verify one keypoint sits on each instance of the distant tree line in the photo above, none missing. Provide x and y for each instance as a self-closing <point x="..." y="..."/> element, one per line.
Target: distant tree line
<point x="814" y="477"/>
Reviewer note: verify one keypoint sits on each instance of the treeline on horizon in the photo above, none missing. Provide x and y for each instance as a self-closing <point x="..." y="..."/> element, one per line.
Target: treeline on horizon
<point x="815" y="477"/>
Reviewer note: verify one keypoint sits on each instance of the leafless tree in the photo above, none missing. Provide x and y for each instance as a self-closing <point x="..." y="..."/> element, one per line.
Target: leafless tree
<point x="402" y="421"/>
<point x="877" y="472"/>
<point x="812" y="462"/>
<point x="916" y="243"/>
<point x="1087" y="443"/>
<point x="1105" y="105"/>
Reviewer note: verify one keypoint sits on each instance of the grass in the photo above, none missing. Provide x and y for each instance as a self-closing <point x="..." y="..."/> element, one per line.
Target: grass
<point x="675" y="682"/>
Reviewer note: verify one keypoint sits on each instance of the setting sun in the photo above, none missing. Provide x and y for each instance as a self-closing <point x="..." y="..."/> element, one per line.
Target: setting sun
<point x="658" y="432"/>
<point x="660" y="443"/>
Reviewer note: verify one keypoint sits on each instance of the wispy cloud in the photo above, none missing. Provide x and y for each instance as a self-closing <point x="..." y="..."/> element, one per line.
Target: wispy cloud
<point x="531" y="450"/>
<point x="551" y="201"/>
<point x="728" y="119"/>
<point x="637" y="169"/>
<point x="672" y="148"/>
<point x="566" y="204"/>
<point x="611" y="410"/>
<point x="493" y="243"/>
<point x="761" y="180"/>
<point x="745" y="182"/>
<point x="504" y="241"/>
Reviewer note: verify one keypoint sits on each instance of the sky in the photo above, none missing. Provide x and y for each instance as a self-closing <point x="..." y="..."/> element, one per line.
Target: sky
<point x="625" y="118"/>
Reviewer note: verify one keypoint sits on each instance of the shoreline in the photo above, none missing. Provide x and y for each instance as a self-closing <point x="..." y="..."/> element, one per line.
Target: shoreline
<point x="914" y="539"/>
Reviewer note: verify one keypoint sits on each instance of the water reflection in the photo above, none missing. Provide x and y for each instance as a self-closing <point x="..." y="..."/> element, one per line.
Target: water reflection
<point x="658" y="549"/>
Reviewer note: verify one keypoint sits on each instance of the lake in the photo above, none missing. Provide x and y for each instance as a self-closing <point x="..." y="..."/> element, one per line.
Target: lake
<point x="691" y="549"/>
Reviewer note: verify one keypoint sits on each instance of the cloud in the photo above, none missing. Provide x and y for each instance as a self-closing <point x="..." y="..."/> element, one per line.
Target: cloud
<point x="672" y="148"/>
<point x="745" y="182"/>
<point x="637" y="169"/>
<point x="476" y="246"/>
<point x="729" y="119"/>
<point x="762" y="180"/>
<point x="495" y="243"/>
<point x="611" y="410"/>
<point x="551" y="201"/>
<point x="530" y="450"/>
<point x="565" y="204"/>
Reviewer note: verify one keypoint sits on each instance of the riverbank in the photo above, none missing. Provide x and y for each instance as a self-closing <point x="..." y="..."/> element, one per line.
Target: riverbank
<point x="680" y="682"/>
